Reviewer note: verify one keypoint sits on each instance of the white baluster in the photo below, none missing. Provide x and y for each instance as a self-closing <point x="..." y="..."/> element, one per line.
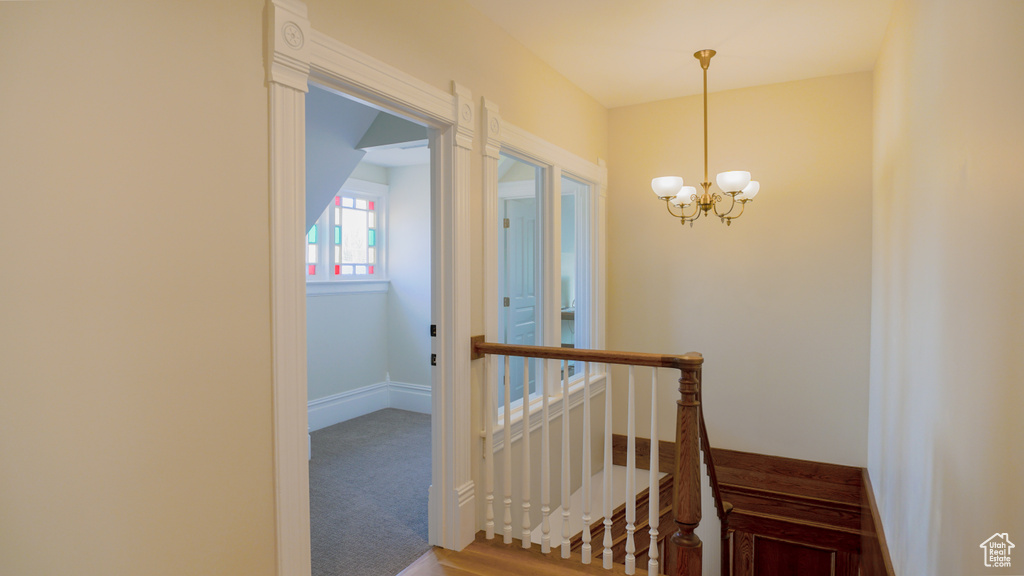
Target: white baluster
<point x="566" y="543"/>
<point x="630" y="479"/>
<point x="489" y="409"/>
<point x="507" y="453"/>
<point x="585" y="551"/>
<point x="526" y="452"/>
<point x="545" y="465"/>
<point x="654" y="502"/>
<point x="607" y="556"/>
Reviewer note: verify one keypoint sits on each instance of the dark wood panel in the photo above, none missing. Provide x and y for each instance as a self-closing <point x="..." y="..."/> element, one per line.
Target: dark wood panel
<point x="779" y="558"/>
<point x="666" y="453"/>
<point x="781" y="484"/>
<point x="847" y="564"/>
<point x="814" y="511"/>
<point x="810" y="533"/>
<point x="874" y="559"/>
<point x="789" y="467"/>
<point x="743" y="553"/>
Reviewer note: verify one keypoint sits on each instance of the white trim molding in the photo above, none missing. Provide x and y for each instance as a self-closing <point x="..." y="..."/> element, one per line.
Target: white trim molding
<point x="411" y="397"/>
<point x="287" y="52"/>
<point x="344" y="406"/>
<point x="557" y="162"/>
<point x="295" y="54"/>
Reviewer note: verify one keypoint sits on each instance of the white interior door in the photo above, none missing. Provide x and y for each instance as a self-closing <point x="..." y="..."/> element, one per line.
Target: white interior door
<point x="519" y="311"/>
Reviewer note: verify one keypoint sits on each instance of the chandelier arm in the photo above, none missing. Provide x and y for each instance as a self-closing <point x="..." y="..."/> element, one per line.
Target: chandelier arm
<point x="743" y="205"/>
<point x="682" y="211"/>
<point x="692" y="218"/>
<point x="727" y="212"/>
<point x="668" y="205"/>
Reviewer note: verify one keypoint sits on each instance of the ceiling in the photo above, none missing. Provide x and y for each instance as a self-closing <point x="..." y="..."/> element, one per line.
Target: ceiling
<point x="625" y="52"/>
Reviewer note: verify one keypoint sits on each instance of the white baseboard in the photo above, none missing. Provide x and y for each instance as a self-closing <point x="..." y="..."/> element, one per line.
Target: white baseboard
<point x="331" y="410"/>
<point x="411" y="397"/>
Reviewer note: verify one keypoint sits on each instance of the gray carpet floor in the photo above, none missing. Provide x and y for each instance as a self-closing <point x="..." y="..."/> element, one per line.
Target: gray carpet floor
<point x="368" y="483"/>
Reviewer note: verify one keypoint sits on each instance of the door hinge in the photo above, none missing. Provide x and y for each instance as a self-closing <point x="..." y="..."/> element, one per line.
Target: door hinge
<point x="505" y="223"/>
<point x="433" y="359"/>
<point x="505" y="302"/>
<point x="433" y="330"/>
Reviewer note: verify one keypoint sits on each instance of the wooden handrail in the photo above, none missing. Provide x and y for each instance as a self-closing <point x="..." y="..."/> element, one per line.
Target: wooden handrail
<point x="689" y="360"/>
<point x="686" y="549"/>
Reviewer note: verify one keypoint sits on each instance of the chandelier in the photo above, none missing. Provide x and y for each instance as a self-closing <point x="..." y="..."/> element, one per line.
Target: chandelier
<point x="737" y="183"/>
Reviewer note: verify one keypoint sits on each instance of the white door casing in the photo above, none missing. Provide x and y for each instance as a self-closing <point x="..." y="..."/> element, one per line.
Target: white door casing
<point x="296" y="54"/>
<point x="500" y="136"/>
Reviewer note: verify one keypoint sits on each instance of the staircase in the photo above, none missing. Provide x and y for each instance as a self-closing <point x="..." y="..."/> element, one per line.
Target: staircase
<point x="771" y="516"/>
<point x="493" y="558"/>
<point x="513" y="509"/>
<point x="798" y="517"/>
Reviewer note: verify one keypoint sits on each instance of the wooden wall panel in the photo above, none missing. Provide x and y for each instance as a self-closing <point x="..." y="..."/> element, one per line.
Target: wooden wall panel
<point x="874" y="557"/>
<point x="779" y="558"/>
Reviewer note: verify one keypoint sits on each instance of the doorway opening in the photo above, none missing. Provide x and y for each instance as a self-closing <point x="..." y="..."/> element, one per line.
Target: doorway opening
<point x="368" y="273"/>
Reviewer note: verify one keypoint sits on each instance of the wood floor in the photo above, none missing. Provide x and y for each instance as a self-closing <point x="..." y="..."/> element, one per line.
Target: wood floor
<point x="493" y="558"/>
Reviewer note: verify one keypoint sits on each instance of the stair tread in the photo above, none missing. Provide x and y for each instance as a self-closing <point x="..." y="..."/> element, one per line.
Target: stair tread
<point x="494" y="558"/>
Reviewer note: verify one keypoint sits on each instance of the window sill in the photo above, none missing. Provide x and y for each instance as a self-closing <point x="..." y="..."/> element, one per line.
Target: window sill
<point x="346" y="287"/>
<point x="598" y="383"/>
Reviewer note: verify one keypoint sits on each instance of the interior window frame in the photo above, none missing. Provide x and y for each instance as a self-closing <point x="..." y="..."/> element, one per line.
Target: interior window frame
<point x="557" y="163"/>
<point x="326" y="283"/>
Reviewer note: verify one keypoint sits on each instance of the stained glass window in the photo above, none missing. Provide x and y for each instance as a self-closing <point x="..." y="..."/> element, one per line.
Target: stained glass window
<point x="312" y="251"/>
<point x="345" y="239"/>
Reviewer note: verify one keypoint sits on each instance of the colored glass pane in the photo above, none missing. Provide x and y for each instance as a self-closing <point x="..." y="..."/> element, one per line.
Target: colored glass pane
<point x="337" y="270"/>
<point x="337" y="200"/>
<point x="346" y="202"/>
<point x="371" y="269"/>
<point x="312" y="269"/>
<point x="360" y="204"/>
<point x="311" y="236"/>
<point x="311" y="254"/>
<point x="337" y="234"/>
<point x="371" y="205"/>
<point x="354" y="236"/>
<point x="373" y="237"/>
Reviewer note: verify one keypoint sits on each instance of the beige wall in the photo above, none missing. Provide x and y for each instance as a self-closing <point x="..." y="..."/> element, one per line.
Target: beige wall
<point x="946" y="431"/>
<point x="445" y="40"/>
<point x="135" y="423"/>
<point x="135" y="355"/>
<point x="778" y="302"/>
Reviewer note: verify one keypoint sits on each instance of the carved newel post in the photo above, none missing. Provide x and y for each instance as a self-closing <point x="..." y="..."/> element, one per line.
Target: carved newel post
<point x="685" y="548"/>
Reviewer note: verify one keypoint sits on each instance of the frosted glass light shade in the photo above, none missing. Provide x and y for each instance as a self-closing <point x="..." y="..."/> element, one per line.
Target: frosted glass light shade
<point x="750" y="191"/>
<point x="733" y="181"/>
<point x="685" y="195"/>
<point x="666" y="186"/>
